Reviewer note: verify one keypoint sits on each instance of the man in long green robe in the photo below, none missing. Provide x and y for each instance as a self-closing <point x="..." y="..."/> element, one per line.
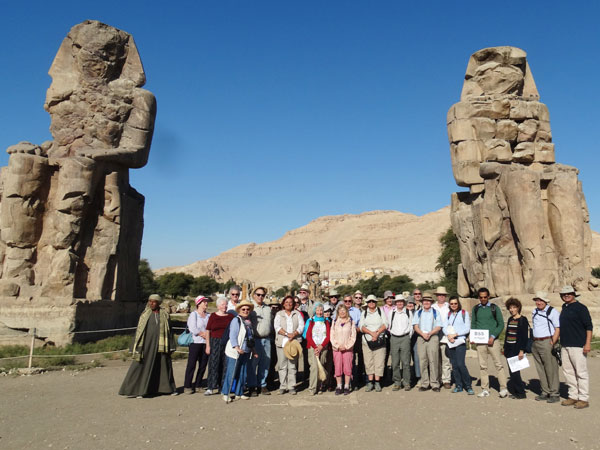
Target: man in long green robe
<point x="151" y="372"/>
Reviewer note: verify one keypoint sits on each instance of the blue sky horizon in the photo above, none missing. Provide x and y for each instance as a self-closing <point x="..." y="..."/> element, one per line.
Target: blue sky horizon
<point x="272" y="114"/>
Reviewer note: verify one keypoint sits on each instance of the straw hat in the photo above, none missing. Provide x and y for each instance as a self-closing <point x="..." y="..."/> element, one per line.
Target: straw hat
<point x="427" y="295"/>
<point x="292" y="349"/>
<point x="441" y="290"/>
<point x="541" y="295"/>
<point x="244" y="303"/>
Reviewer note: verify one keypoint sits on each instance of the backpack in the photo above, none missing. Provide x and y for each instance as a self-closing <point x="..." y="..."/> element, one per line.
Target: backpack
<point x="494" y="312"/>
<point x="463" y="314"/>
<point x="421" y="310"/>
<point x="408" y="314"/>
<point x="535" y="313"/>
<point x="225" y="336"/>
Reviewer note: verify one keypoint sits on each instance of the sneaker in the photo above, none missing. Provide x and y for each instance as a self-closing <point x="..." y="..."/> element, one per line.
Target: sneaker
<point x="174" y="394"/>
<point x="264" y="391"/>
<point x="281" y="391"/>
<point x="447" y="385"/>
<point x="407" y="388"/>
<point x="188" y="391"/>
<point x="242" y="397"/>
<point x="226" y="398"/>
<point x="369" y="387"/>
<point x="377" y="386"/>
<point x="484" y="393"/>
<point x="568" y="402"/>
<point x="581" y="404"/>
<point x="423" y="389"/>
<point x="435" y="389"/>
<point x="503" y="393"/>
<point x="553" y="399"/>
<point x="517" y="396"/>
<point x="208" y="392"/>
<point x="457" y="389"/>
<point x="346" y="391"/>
<point x="293" y="391"/>
<point x="541" y="398"/>
<point x="396" y="387"/>
<point x="338" y="391"/>
<point x="470" y="391"/>
<point x="254" y="392"/>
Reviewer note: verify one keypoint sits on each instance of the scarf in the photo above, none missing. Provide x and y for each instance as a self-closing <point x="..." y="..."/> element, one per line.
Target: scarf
<point x="164" y="339"/>
<point x="312" y="319"/>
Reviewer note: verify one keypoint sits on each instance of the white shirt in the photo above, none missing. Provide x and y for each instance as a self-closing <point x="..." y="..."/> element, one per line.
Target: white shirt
<point x="400" y="322"/>
<point x="542" y="327"/>
<point x="289" y="324"/>
<point x="443" y="309"/>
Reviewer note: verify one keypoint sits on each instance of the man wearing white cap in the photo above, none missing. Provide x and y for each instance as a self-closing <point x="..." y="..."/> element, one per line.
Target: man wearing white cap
<point x="575" y="338"/>
<point x="306" y="304"/>
<point x="401" y="330"/>
<point x="545" y="322"/>
<point x="442" y="306"/>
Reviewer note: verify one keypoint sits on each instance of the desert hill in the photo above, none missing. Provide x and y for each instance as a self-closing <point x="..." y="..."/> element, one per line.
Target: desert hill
<point x="346" y="246"/>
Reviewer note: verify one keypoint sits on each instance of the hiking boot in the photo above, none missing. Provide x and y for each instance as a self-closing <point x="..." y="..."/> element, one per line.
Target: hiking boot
<point x="447" y="385"/>
<point x="293" y="391"/>
<point x="346" y="391"/>
<point x="503" y="393"/>
<point x="396" y="387"/>
<point x="188" y="391"/>
<point x="338" y="391"/>
<point x="568" y="402"/>
<point x="553" y="399"/>
<point x="483" y="393"/>
<point x="407" y="388"/>
<point x="369" y="387"/>
<point x="435" y="389"/>
<point x="423" y="389"/>
<point x="265" y="391"/>
<point x="541" y="398"/>
<point x="377" y="387"/>
<point x="581" y="404"/>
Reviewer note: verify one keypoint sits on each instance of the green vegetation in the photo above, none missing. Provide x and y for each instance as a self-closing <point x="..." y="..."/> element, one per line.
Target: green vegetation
<point x="147" y="283"/>
<point x="448" y="261"/>
<point x="596" y="272"/>
<point x="175" y="285"/>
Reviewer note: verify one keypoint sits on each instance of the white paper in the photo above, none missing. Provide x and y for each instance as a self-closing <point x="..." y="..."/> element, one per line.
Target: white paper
<point x="517" y="364"/>
<point x="479" y="336"/>
<point x="457" y="342"/>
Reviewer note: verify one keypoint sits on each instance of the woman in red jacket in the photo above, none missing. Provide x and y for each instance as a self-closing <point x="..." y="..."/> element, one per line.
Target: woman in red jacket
<point x="316" y="333"/>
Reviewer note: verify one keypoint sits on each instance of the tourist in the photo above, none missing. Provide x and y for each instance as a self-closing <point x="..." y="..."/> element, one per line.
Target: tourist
<point x="415" y="373"/>
<point x="358" y="363"/>
<point x="151" y="371"/>
<point x="515" y="344"/>
<point x="545" y="322"/>
<point x="216" y="326"/>
<point x="373" y="326"/>
<point x="330" y="381"/>
<point x="317" y="334"/>
<point x="238" y="351"/>
<point x="234" y="297"/>
<point x="275" y="308"/>
<point x="333" y="299"/>
<point x="487" y="316"/>
<point x="401" y="330"/>
<point x="306" y="303"/>
<point x="575" y="338"/>
<point x="387" y="308"/>
<point x="289" y="325"/>
<point x="427" y="323"/>
<point x="328" y="312"/>
<point x="418" y="296"/>
<point x="198" y="353"/>
<point x="456" y="330"/>
<point x="442" y="307"/>
<point x="343" y="336"/>
<point x="262" y="327"/>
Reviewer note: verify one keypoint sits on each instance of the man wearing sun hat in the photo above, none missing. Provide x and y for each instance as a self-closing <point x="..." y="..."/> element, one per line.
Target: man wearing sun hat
<point x="575" y="337"/>
<point x="442" y="306"/>
<point x="262" y="326"/>
<point x="545" y="322"/>
<point x="401" y="330"/>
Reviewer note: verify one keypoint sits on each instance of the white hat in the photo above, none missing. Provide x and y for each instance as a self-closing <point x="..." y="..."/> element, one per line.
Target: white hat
<point x="441" y="290"/>
<point x="399" y="297"/>
<point x="333" y="293"/>
<point x="541" y="295"/>
<point x="304" y="287"/>
<point x="567" y="290"/>
<point x="371" y="298"/>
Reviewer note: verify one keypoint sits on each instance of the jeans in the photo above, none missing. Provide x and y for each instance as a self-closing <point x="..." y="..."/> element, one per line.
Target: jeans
<point x="259" y="367"/>
<point x="235" y="375"/>
<point x="462" y="378"/>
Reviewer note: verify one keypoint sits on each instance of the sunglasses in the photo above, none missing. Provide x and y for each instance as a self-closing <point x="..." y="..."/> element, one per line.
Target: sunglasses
<point x="453" y="304"/>
<point x="235" y="295"/>
<point x="358" y="298"/>
<point x="347" y="301"/>
<point x="416" y="293"/>
<point x="245" y="308"/>
<point x="260" y="295"/>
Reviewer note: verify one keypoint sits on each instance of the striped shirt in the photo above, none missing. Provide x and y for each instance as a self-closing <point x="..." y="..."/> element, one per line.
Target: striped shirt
<point x="511" y="331"/>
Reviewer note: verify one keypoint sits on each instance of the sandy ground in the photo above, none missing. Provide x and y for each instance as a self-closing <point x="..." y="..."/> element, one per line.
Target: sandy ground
<point x="81" y="410"/>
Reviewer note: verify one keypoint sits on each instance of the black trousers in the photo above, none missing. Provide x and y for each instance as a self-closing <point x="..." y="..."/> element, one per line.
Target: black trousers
<point x="197" y="356"/>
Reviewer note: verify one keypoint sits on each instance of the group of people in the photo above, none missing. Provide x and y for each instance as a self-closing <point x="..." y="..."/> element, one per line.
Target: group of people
<point x="344" y="345"/>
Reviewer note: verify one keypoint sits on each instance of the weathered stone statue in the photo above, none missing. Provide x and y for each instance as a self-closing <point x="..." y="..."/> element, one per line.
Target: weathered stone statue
<point x="313" y="279"/>
<point x="71" y="223"/>
<point x="524" y="224"/>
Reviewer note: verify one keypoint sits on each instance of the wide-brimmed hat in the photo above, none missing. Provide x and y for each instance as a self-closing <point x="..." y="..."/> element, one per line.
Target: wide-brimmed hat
<point x="399" y="298"/>
<point x="541" y="295"/>
<point x="304" y="287"/>
<point x="327" y="307"/>
<point x="567" y="290"/>
<point x="257" y="288"/>
<point x="333" y="293"/>
<point x="441" y="290"/>
<point x="200" y="299"/>
<point x="371" y="298"/>
<point x="387" y="294"/>
<point x="411" y="299"/>
<point x="292" y="349"/>
<point x="155" y="298"/>
<point x="358" y="292"/>
<point x="244" y="303"/>
<point x="427" y="295"/>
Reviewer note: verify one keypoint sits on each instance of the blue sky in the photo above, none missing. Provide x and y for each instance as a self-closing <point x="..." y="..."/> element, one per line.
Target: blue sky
<point x="274" y="113"/>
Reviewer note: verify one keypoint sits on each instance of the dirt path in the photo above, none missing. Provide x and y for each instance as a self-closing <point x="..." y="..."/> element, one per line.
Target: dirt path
<point x="81" y="410"/>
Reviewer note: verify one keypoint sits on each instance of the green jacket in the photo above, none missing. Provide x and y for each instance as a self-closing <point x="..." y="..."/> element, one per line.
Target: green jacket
<point x="483" y="319"/>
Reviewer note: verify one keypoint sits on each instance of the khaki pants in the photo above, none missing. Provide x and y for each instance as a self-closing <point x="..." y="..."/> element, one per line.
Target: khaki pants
<point x="400" y="353"/>
<point x="446" y="366"/>
<point x="547" y="367"/>
<point x="483" y="351"/>
<point x="576" y="373"/>
<point x="314" y="369"/>
<point x="287" y="370"/>
<point x="429" y="361"/>
<point x="374" y="360"/>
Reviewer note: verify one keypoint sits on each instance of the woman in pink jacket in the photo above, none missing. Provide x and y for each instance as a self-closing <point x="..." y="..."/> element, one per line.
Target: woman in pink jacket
<point x="343" y="335"/>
